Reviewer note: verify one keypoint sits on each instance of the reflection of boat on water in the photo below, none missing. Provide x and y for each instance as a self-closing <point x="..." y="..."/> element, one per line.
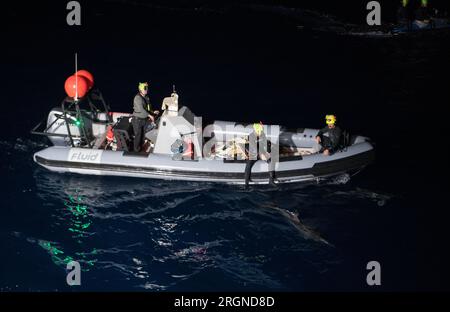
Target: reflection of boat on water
<point x="180" y="148"/>
<point x="102" y="193"/>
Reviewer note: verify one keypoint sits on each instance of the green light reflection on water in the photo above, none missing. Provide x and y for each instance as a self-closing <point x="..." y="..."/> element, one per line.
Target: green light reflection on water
<point x="79" y="223"/>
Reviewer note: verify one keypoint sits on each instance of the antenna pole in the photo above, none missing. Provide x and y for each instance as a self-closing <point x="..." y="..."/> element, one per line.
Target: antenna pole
<point x="76" y="77"/>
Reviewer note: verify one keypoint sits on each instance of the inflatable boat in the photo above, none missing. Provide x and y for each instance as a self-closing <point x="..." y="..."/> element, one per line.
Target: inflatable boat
<point x="87" y="138"/>
<point x="419" y="26"/>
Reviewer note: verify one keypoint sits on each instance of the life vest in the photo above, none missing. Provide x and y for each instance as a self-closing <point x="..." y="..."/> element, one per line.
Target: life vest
<point x="147" y="106"/>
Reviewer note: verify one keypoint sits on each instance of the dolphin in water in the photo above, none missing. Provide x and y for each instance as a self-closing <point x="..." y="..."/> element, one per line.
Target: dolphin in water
<point x="293" y="218"/>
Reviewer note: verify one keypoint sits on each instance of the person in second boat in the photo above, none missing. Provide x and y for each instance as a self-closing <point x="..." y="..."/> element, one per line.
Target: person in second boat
<point x="259" y="150"/>
<point x="142" y="115"/>
<point x="423" y="12"/>
<point x="404" y="14"/>
<point x="328" y="139"/>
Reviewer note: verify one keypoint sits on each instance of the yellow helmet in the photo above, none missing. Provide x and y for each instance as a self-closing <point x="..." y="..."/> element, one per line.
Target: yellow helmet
<point x="143" y="86"/>
<point x="258" y="127"/>
<point x="330" y="119"/>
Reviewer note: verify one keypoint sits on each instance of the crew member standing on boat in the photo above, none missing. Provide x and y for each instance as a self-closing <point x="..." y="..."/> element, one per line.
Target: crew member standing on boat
<point x="259" y="150"/>
<point x="142" y="114"/>
<point x="404" y="14"/>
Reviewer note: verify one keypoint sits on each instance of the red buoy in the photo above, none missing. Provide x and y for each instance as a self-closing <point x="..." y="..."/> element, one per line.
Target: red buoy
<point x="72" y="83"/>
<point x="88" y="76"/>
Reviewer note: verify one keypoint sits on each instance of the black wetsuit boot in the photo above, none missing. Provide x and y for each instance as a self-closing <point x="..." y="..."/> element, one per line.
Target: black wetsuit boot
<point x="248" y="171"/>
<point x="272" y="178"/>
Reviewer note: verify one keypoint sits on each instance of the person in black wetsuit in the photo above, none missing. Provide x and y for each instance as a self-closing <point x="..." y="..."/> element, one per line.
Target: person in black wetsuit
<point x="258" y="151"/>
<point x="403" y="14"/>
<point x="328" y="139"/>
<point x="406" y="13"/>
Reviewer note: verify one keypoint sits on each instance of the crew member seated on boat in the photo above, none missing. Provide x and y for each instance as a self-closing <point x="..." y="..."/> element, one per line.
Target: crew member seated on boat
<point x="258" y="151"/>
<point x="142" y="115"/>
<point x="328" y="138"/>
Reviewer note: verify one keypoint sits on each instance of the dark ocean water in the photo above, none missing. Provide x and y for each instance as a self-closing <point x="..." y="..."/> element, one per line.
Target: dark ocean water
<point x="138" y="234"/>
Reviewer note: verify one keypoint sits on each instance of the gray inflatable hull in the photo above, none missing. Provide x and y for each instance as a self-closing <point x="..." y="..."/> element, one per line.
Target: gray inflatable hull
<point x="160" y="166"/>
